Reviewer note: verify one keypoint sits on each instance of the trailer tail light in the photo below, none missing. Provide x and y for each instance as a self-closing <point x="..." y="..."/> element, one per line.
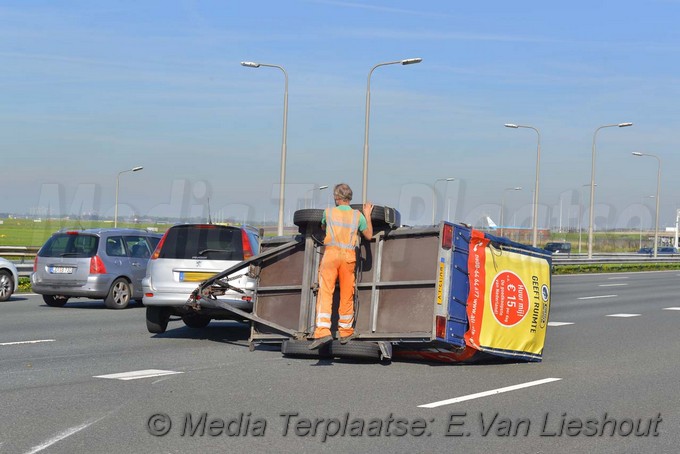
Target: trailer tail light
<point x="247" y="249"/>
<point x="97" y="266"/>
<point x="247" y="299"/>
<point x="447" y="236"/>
<point x="35" y="264"/>
<point x="440" y="327"/>
<point x="157" y="251"/>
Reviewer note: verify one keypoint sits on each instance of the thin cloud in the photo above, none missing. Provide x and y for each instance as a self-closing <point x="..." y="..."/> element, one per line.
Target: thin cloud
<point x="382" y="9"/>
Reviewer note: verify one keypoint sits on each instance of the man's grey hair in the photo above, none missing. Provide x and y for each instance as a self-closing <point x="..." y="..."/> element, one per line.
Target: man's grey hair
<point x="342" y="191"/>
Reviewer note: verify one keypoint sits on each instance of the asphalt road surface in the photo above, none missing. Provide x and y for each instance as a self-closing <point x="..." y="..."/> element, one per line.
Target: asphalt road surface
<point x="85" y="379"/>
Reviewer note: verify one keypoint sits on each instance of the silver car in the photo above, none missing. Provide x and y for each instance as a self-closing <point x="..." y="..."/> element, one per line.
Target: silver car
<point x="189" y="254"/>
<point x="106" y="264"/>
<point x="9" y="279"/>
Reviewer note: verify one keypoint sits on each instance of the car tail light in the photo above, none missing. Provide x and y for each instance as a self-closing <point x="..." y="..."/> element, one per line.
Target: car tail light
<point x="149" y="295"/>
<point x="72" y="232"/>
<point x="247" y="298"/>
<point x="35" y="264"/>
<point x="440" y="327"/>
<point x="97" y="266"/>
<point x="247" y="249"/>
<point x="447" y="236"/>
<point x="157" y="251"/>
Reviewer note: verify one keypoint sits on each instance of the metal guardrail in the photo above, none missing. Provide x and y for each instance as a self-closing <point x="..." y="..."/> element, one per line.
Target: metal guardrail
<point x="613" y="258"/>
<point x="21" y="256"/>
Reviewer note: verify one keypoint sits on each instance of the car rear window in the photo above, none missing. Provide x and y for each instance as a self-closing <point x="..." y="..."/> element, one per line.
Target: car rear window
<point x="70" y="245"/>
<point x="210" y="242"/>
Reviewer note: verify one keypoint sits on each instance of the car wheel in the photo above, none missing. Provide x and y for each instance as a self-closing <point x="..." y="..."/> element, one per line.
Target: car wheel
<point x="119" y="294"/>
<point x="310" y="217"/>
<point x="157" y="319"/>
<point x="55" y="300"/>
<point x="6" y="285"/>
<point x="196" y="320"/>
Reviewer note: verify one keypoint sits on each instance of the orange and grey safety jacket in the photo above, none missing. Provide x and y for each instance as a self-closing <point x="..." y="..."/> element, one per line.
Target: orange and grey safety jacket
<point x="342" y="228"/>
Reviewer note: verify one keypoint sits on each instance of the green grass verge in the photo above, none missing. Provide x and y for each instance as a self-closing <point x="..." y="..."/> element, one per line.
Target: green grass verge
<point x="614" y="268"/>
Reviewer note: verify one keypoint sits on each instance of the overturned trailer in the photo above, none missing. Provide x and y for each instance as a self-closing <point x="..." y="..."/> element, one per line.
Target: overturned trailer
<point x="443" y="293"/>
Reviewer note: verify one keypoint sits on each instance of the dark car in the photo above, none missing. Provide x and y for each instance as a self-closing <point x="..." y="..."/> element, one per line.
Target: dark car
<point x="659" y="250"/>
<point x="558" y="247"/>
<point x="106" y="264"/>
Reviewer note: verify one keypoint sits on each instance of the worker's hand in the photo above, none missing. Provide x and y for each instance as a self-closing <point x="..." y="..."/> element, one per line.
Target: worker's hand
<point x="368" y="209"/>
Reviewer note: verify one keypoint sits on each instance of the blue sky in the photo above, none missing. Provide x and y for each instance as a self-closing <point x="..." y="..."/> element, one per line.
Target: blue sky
<point x="89" y="89"/>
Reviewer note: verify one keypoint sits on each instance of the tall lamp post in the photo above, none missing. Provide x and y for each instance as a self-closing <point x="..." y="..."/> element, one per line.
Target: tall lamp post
<point x="534" y="226"/>
<point x="320" y="188"/>
<point x="592" y="186"/>
<point x="643" y="204"/>
<point x="658" y="188"/>
<point x="115" y="214"/>
<point x="580" y="198"/>
<point x="250" y="64"/>
<point x="518" y="188"/>
<point x="408" y="61"/>
<point x="434" y="194"/>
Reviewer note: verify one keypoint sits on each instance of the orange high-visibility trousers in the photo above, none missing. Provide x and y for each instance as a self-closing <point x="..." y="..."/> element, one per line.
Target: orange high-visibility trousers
<point x="336" y="263"/>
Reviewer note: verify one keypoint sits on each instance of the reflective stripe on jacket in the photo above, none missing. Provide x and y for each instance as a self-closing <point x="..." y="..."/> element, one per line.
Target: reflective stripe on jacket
<point x="342" y="228"/>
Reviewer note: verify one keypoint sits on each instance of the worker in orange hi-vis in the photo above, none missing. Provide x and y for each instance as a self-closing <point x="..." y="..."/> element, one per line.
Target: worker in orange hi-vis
<point x="342" y="225"/>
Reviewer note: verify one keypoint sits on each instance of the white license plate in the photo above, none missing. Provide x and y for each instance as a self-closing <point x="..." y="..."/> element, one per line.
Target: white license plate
<point x="61" y="270"/>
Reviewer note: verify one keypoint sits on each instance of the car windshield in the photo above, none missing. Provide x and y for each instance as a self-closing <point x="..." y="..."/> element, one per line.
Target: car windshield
<point x="210" y="242"/>
<point x="70" y="245"/>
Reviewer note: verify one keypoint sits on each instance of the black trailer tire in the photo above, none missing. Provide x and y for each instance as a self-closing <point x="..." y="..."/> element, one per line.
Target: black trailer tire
<point x="309" y="217"/>
<point x="381" y="216"/>
<point x="196" y="320"/>
<point x="300" y="349"/>
<point x="54" y="300"/>
<point x="357" y="350"/>
<point x="157" y="319"/>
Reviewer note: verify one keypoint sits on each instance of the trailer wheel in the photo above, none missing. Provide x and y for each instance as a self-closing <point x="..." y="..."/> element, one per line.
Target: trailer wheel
<point x="306" y="218"/>
<point x="300" y="349"/>
<point x="357" y="350"/>
<point x="381" y="216"/>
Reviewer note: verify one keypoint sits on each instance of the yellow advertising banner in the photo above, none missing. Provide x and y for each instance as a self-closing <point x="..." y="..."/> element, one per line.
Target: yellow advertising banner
<point x="509" y="300"/>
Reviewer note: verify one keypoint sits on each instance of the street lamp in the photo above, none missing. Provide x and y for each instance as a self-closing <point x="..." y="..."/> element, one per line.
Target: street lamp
<point x="534" y="226"/>
<point x="434" y="194"/>
<point x="250" y="64"/>
<point x="658" y="188"/>
<point x="320" y="188"/>
<point x="643" y="204"/>
<point x="592" y="186"/>
<point x="115" y="214"/>
<point x="408" y="61"/>
<point x="580" y="198"/>
<point x="518" y="188"/>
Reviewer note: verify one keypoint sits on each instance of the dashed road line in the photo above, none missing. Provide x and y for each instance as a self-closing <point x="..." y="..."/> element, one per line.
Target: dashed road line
<point x="612" y="285"/>
<point x="596" y="297"/>
<point x="671" y="308"/>
<point x="622" y="315"/>
<point x="4" y="344"/>
<point x="560" y="323"/>
<point x="56" y="439"/>
<point x="138" y="374"/>
<point x="488" y="393"/>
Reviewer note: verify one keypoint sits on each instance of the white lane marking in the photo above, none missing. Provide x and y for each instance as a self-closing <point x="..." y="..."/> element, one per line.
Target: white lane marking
<point x="560" y="323"/>
<point x="65" y="434"/>
<point x="623" y="315"/>
<point x="137" y="374"/>
<point x="612" y="285"/>
<point x="671" y="308"/>
<point x="26" y="342"/>
<point x="489" y="393"/>
<point x="596" y="297"/>
<point x="619" y="277"/>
